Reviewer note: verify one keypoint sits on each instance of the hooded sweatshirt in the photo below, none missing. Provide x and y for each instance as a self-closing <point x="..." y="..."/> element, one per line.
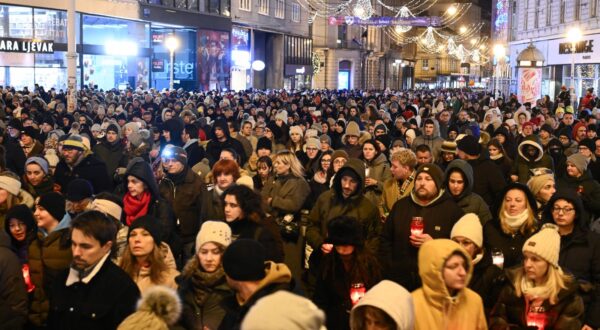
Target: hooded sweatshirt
<point x="436" y="308"/>
<point x="469" y="201"/>
<point x="433" y="141"/>
<point x="524" y="164"/>
<point x="391" y="298"/>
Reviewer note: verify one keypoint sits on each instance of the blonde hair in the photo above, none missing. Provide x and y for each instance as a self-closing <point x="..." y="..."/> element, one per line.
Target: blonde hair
<point x="528" y="228"/>
<point x="555" y="281"/>
<point x="405" y="157"/>
<point x="289" y="158"/>
<point x="156" y="260"/>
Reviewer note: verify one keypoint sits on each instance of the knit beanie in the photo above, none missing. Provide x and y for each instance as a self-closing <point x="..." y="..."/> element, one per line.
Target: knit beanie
<point x="339" y="153"/>
<point x="297" y="130"/>
<point x="352" y="129"/>
<point x="41" y="162"/>
<point x="312" y="142"/>
<point x="264" y="143"/>
<point x="469" y="226"/>
<point x="545" y="244"/>
<point x="537" y="182"/>
<point x="74" y="141"/>
<point x="79" y="189"/>
<point x="213" y="231"/>
<point x="54" y="203"/>
<point x="245" y="180"/>
<point x="324" y="138"/>
<point x="173" y="152"/>
<point x="311" y="132"/>
<point x="22" y="213"/>
<point x="344" y="230"/>
<point x="244" y="260"/>
<point x="589" y="143"/>
<point x="114" y="128"/>
<point x="10" y="184"/>
<point x="137" y="138"/>
<point x="159" y="308"/>
<point x="410" y="133"/>
<point x="469" y="145"/>
<point x="434" y="171"/>
<point x="148" y="223"/>
<point x="282" y="115"/>
<point x="284" y="310"/>
<point x="547" y="128"/>
<point x="580" y="162"/>
<point x="108" y="207"/>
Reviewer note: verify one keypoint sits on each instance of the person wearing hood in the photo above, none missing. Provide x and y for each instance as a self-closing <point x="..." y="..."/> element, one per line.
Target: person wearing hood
<point x="542" y="185"/>
<point x="430" y="137"/>
<point x="345" y="198"/>
<point x="515" y="221"/>
<point x="579" y="179"/>
<point x="377" y="170"/>
<point x="139" y="144"/>
<point x="568" y="145"/>
<point x="438" y="211"/>
<point x="486" y="276"/>
<point x="22" y="229"/>
<point x="221" y="140"/>
<point x="507" y="140"/>
<point x="251" y="276"/>
<point x="579" y="250"/>
<point x="49" y="254"/>
<point x="142" y="198"/>
<point x="531" y="156"/>
<point x="190" y="139"/>
<point x="350" y="140"/>
<point x="183" y="189"/>
<point x="539" y="293"/>
<point x="459" y="183"/>
<point x="348" y="264"/>
<point x="13" y="303"/>
<point x="388" y="304"/>
<point x="555" y="150"/>
<point x="171" y="132"/>
<point x="444" y="301"/>
<point x="78" y="161"/>
<point x="111" y="150"/>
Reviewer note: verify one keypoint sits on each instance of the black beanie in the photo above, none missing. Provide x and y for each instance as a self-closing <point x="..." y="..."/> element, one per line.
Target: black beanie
<point x="113" y="128"/>
<point x="54" y="203"/>
<point x="469" y="145"/>
<point x="148" y="223"/>
<point x="434" y="171"/>
<point x="264" y="143"/>
<point x="244" y="260"/>
<point x="344" y="230"/>
<point x="547" y="128"/>
<point x="79" y="189"/>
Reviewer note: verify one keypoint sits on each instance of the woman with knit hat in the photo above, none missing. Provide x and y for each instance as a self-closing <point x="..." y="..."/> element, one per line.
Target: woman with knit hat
<point x="579" y="250"/>
<point x="515" y="221"/>
<point x="296" y="141"/>
<point x="579" y="179"/>
<point x="538" y="294"/>
<point x="38" y="179"/>
<point x="542" y="186"/>
<point x="148" y="260"/>
<point x="11" y="194"/>
<point x="202" y="284"/>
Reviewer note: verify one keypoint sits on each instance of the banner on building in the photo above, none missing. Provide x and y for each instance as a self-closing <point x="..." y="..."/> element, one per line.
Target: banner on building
<point x="530" y="85"/>
<point x="213" y="60"/>
<point x="386" y="21"/>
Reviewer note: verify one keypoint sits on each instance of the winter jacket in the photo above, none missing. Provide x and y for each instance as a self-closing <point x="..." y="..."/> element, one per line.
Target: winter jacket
<point x="90" y="168"/>
<point x="379" y="169"/>
<point x="214" y="146"/>
<point x="488" y="180"/>
<point x="186" y="199"/>
<point x="392" y="192"/>
<point x="278" y="277"/>
<point x="396" y="252"/>
<point x="522" y="166"/>
<point x="589" y="191"/>
<point x="102" y="303"/>
<point x="288" y="195"/>
<point x="434" y="141"/>
<point x="46" y="186"/>
<point x="266" y="233"/>
<point x="487" y="280"/>
<point x="510" y="310"/>
<point x="510" y="245"/>
<point x="331" y="204"/>
<point x="391" y="298"/>
<point x="212" y="206"/>
<point x="48" y="256"/>
<point x="468" y="201"/>
<point x="505" y="165"/>
<point x="112" y="154"/>
<point x="13" y="300"/>
<point x="435" y="308"/>
<point x="195" y="152"/>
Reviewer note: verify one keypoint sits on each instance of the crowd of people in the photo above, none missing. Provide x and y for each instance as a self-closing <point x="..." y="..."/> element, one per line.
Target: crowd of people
<point x="421" y="209"/>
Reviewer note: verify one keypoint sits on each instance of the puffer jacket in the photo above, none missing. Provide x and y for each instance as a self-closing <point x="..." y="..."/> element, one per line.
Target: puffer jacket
<point x="522" y="166"/>
<point x="434" y="306"/>
<point x="510" y="310"/>
<point x="186" y="199"/>
<point x="468" y="201"/>
<point x="379" y="169"/>
<point x="391" y="298"/>
<point x="331" y="204"/>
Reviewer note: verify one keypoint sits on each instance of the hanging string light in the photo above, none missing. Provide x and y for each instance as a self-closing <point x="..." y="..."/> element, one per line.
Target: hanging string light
<point x="404" y="13"/>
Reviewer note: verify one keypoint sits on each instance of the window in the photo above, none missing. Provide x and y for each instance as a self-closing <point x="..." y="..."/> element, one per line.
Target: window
<point x="453" y="65"/>
<point x="280" y="8"/>
<point x="296" y="12"/>
<point x="263" y="7"/>
<point x="425" y="65"/>
<point x="342" y="39"/>
<point x="577" y="13"/>
<point x="536" y="23"/>
<point x="562" y="11"/>
<point x="593" y="8"/>
<point x="548" y="12"/>
<point x="245" y="5"/>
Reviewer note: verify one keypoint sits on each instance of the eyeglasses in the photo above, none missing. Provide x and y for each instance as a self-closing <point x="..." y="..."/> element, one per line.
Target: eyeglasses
<point x="564" y="210"/>
<point x="311" y="149"/>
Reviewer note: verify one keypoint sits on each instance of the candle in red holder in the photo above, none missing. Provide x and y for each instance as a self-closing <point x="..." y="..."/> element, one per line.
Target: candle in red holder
<point x="357" y="291"/>
<point x="417" y="225"/>
<point x="27" y="278"/>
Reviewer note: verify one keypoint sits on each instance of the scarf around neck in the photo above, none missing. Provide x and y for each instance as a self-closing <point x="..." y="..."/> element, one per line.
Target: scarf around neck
<point x="135" y="208"/>
<point x="516" y="221"/>
<point x="498" y="156"/>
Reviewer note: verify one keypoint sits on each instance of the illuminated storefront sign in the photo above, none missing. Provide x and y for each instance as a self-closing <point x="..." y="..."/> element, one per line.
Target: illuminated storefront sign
<point x="16" y="45"/>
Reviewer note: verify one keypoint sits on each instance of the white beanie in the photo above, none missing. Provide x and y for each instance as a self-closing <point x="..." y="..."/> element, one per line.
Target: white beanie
<point x="282" y="115"/>
<point x="105" y="206"/>
<point x="296" y="129"/>
<point x="312" y="142"/>
<point x="469" y="227"/>
<point x="284" y="310"/>
<point x="10" y="184"/>
<point x="245" y="180"/>
<point x="545" y="244"/>
<point x="213" y="231"/>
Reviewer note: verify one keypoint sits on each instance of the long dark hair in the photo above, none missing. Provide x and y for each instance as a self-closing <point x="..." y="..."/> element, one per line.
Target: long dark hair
<point x="249" y="201"/>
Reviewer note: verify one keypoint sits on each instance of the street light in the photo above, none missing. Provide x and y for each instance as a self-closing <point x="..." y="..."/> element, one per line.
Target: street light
<point x="452" y="10"/>
<point x="499" y="53"/>
<point x="172" y="44"/>
<point x="574" y="36"/>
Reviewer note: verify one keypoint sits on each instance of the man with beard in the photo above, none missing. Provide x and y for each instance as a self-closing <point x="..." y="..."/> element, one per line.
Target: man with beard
<point x="400" y="244"/>
<point x="94" y="293"/>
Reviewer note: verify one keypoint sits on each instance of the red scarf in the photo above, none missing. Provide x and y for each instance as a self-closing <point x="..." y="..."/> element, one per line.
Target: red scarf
<point x="135" y="208"/>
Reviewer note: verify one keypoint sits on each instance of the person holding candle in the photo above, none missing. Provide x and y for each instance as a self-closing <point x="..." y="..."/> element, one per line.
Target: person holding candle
<point x="346" y="273"/>
<point x="579" y="250"/>
<point x="538" y="294"/>
<point x="444" y="301"/>
<point x="515" y="222"/>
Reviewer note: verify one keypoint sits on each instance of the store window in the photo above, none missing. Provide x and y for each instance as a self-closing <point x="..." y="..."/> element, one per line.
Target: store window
<point x="184" y="58"/>
<point x="16" y="22"/>
<point x="107" y="31"/>
<point x="50" y="25"/>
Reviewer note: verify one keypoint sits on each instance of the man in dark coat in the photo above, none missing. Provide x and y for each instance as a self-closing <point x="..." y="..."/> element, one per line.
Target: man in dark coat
<point x="13" y="300"/>
<point x="399" y="246"/>
<point x="190" y="139"/>
<point x="111" y="151"/>
<point x="79" y="162"/>
<point x="488" y="180"/>
<point x="221" y="140"/>
<point x="94" y="293"/>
